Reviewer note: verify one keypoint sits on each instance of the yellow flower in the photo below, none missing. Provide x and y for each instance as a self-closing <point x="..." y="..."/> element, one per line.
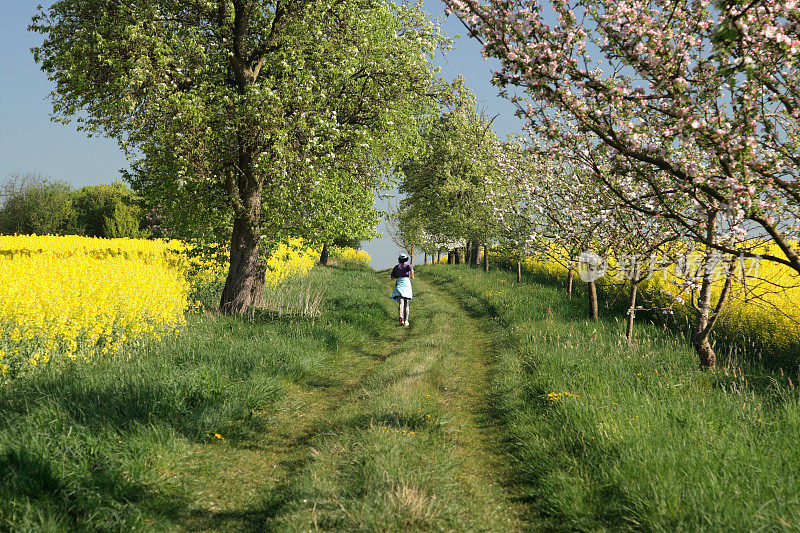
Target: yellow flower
<point x="292" y="259"/>
<point x="65" y="297"/>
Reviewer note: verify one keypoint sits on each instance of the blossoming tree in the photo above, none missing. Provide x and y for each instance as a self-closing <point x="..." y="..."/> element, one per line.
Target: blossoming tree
<point x="551" y="204"/>
<point x="444" y="183"/>
<point x="698" y="101"/>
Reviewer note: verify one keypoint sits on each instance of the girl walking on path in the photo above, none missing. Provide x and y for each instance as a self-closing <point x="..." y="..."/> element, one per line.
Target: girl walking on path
<point x="403" y="272"/>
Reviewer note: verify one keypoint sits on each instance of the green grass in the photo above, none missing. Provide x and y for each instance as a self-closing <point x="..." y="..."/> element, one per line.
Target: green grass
<point x="104" y="444"/>
<point x="350" y="422"/>
<point x="412" y="450"/>
<point x="647" y="442"/>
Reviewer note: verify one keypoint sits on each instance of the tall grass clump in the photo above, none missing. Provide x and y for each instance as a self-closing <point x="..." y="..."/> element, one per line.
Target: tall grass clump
<point x="610" y="437"/>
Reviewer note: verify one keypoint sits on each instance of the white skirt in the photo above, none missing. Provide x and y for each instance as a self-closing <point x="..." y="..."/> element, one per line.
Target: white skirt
<point x="402" y="289"/>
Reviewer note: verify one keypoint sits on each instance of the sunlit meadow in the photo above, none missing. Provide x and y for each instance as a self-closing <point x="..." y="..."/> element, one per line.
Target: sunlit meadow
<point x="760" y="321"/>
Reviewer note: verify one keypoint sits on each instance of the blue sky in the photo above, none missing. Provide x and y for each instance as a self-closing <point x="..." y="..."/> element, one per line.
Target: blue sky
<point x="30" y="142"/>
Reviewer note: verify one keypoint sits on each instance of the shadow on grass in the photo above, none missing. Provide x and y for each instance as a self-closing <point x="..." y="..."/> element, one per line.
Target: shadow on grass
<point x="543" y="469"/>
<point x="38" y="496"/>
<point x="506" y="403"/>
<point x="78" y="441"/>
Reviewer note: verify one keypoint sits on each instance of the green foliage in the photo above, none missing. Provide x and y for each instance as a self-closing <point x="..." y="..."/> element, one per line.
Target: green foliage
<point x="347" y="242"/>
<point x="445" y="183"/>
<point x="32" y="204"/>
<point x="405" y="230"/>
<point x="308" y="106"/>
<point x="123" y="222"/>
<point x="96" y="203"/>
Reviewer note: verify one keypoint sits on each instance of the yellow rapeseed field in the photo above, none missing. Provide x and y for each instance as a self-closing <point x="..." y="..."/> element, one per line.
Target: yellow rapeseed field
<point x="764" y="306"/>
<point x="768" y="308"/>
<point x="292" y="259"/>
<point x="351" y="255"/>
<point x="82" y="297"/>
<point x="75" y="297"/>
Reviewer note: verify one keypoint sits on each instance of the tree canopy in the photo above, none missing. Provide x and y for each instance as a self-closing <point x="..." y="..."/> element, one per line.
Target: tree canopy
<point x="256" y="119"/>
<point x="695" y="100"/>
<point x="445" y="183"/>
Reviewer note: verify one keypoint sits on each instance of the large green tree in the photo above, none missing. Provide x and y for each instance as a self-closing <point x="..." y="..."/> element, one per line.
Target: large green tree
<point x="264" y="118"/>
<point x="30" y="203"/>
<point x="445" y="183"/>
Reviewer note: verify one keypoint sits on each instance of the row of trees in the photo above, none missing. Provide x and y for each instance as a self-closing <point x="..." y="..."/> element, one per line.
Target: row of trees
<point x="551" y="204"/>
<point x="545" y="200"/>
<point x="32" y="204"/>
<point x="669" y="119"/>
<point x="673" y="100"/>
<point x="250" y="121"/>
<point x="445" y="185"/>
<point x="254" y="121"/>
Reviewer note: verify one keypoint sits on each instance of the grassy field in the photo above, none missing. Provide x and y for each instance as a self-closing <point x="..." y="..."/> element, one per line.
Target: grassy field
<point x="607" y="437"/>
<point x="348" y="422"/>
<point x="500" y="409"/>
<point x="145" y="438"/>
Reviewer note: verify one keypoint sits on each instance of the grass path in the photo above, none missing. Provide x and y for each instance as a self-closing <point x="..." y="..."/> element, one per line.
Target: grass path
<point x="401" y="441"/>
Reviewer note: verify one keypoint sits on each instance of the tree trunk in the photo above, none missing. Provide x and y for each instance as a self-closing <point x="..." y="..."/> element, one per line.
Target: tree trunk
<point x="244" y="285"/>
<point x="258" y="285"/>
<point x="425" y="258"/>
<point x="704" y="319"/>
<point x="631" y="312"/>
<point x="323" y="257"/>
<point x="485" y="257"/>
<point x="700" y="335"/>
<point x="475" y="254"/>
<point x="468" y="253"/>
<point x="593" y="313"/>
<point x="245" y="282"/>
<point x="459" y="256"/>
<point x="569" y="284"/>
<point x="700" y="332"/>
<point x="451" y="257"/>
<point x="438" y="256"/>
<point x="519" y="271"/>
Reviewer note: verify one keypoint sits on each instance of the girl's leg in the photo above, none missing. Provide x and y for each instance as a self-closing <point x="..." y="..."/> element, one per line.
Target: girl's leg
<point x="407" y="310"/>
<point x="400" y="303"/>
